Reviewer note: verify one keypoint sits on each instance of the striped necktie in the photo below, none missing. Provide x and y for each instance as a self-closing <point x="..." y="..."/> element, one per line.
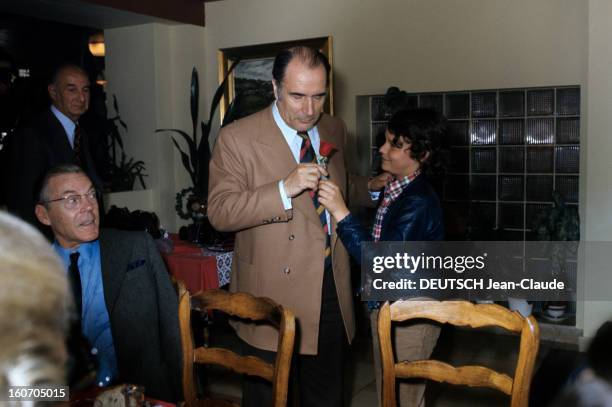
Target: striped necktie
<point x="78" y="134"/>
<point x="307" y="155"/>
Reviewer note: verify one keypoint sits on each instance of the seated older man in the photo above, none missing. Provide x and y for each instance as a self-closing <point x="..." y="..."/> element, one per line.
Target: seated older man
<point x="128" y="307"/>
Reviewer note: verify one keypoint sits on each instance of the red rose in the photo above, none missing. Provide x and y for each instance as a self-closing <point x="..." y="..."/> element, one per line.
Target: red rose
<point x="326" y="149"/>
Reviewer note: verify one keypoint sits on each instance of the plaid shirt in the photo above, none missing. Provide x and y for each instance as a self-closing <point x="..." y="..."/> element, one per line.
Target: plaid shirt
<point x="392" y="191"/>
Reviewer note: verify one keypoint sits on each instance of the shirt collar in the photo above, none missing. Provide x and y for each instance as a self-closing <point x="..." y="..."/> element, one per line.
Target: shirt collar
<point x="290" y="134"/>
<point x="395" y="187"/>
<point x="85" y="249"/>
<point x="66" y="122"/>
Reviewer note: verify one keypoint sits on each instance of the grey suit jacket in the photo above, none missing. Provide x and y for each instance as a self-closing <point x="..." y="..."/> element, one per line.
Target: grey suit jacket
<point x="143" y="310"/>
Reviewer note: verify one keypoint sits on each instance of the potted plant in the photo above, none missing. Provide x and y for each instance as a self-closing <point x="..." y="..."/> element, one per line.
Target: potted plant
<point x="191" y="202"/>
<point x="123" y="171"/>
<point x="558" y="223"/>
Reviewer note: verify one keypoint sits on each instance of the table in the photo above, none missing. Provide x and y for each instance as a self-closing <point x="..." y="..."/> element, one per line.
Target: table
<point x="198" y="267"/>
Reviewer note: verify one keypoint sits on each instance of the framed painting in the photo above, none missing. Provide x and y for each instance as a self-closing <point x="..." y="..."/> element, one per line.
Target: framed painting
<point x="250" y="82"/>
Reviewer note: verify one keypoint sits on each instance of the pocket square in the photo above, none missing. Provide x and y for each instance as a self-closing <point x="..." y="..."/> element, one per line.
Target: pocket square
<point x="135" y="264"/>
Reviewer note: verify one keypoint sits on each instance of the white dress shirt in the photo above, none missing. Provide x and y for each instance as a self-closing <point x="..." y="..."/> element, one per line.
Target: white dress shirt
<point x="295" y="144"/>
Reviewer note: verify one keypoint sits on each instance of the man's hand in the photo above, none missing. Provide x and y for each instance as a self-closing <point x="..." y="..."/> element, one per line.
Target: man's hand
<point x="378" y="182"/>
<point x="304" y="176"/>
<point x="331" y="198"/>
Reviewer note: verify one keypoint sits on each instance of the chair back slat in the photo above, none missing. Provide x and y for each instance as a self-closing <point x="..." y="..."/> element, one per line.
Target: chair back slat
<point x="241" y="304"/>
<point x="249" y="365"/>
<point x="459" y="313"/>
<point x="473" y="376"/>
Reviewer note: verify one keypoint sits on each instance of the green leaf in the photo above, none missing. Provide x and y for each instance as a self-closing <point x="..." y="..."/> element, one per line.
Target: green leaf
<point x="185" y="160"/>
<point x="217" y="97"/>
<point x="194" y="101"/>
<point x="190" y="144"/>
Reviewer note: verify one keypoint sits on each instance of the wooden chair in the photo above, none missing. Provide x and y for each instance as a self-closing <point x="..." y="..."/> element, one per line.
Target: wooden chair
<point x="244" y="306"/>
<point x="460" y="313"/>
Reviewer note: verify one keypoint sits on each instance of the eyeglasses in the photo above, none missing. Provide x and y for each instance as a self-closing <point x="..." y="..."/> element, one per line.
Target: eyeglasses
<point x="74" y="201"/>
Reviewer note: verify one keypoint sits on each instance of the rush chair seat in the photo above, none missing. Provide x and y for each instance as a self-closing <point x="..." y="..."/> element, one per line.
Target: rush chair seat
<point x="244" y="306"/>
<point x="459" y="313"/>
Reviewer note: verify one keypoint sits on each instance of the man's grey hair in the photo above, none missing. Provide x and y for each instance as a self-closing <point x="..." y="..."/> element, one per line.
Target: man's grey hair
<point x="66" y="67"/>
<point x="43" y="191"/>
<point x="35" y="302"/>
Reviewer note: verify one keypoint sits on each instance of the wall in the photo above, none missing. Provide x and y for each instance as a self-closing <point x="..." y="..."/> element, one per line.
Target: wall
<point x="149" y="69"/>
<point x="417" y="45"/>
<point x="596" y="188"/>
<point x="435" y="45"/>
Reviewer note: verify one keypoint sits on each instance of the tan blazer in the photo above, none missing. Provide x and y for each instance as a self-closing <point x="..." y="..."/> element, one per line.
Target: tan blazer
<point x="278" y="254"/>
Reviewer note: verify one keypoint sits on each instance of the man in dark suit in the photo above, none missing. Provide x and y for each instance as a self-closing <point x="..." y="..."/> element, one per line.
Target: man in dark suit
<point x="54" y="138"/>
<point x="126" y="303"/>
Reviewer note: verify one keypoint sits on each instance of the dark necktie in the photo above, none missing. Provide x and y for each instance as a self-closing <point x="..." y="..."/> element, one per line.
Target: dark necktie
<point x="75" y="282"/>
<point x="78" y="134"/>
<point x="307" y="155"/>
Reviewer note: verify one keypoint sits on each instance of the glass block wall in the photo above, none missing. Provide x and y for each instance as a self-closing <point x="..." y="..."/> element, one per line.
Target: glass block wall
<point x="509" y="150"/>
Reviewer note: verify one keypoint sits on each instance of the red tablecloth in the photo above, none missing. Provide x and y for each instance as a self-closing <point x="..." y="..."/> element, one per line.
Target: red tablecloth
<point x="198" y="272"/>
<point x="188" y="263"/>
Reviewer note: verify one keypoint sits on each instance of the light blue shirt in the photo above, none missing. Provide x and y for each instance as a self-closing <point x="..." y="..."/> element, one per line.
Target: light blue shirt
<point x="95" y="321"/>
<point x="295" y="144"/>
<point x="67" y="124"/>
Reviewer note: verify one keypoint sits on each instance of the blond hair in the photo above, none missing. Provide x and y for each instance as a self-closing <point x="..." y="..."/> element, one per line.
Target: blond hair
<point x="34" y="307"/>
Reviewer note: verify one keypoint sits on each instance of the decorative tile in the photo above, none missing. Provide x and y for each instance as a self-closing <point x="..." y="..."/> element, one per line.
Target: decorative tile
<point x="568" y="130"/>
<point x="539" y="188"/>
<point x="482" y="187"/>
<point x="512" y="103"/>
<point x="540" y="102"/>
<point x="460" y="159"/>
<point x="568" y="101"/>
<point x="533" y="212"/>
<point x="511" y="131"/>
<point x="484" y="104"/>
<point x="540" y="131"/>
<point x="432" y="101"/>
<point x="484" y="159"/>
<point x="568" y="159"/>
<point x="378" y="108"/>
<point x="511" y="216"/>
<point x="484" y="132"/>
<point x="458" y="105"/>
<point x="458" y="133"/>
<point x="512" y="159"/>
<point x="567" y="186"/>
<point x="482" y="215"/>
<point x="540" y="159"/>
<point x="511" y="187"/>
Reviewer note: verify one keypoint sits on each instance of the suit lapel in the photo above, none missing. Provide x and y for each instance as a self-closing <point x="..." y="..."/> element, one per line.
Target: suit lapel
<point x="114" y="259"/>
<point x="271" y="147"/>
<point x="58" y="139"/>
<point x="274" y="152"/>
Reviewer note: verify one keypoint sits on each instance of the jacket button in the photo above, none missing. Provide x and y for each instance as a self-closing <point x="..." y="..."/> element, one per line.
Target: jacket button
<point x="291" y="237"/>
<point x="286" y="270"/>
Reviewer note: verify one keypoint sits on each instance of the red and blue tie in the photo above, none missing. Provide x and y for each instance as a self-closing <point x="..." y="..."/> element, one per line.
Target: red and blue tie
<point x="307" y="155"/>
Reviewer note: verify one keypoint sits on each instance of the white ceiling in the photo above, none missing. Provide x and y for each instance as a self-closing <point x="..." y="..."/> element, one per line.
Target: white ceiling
<point x="77" y="13"/>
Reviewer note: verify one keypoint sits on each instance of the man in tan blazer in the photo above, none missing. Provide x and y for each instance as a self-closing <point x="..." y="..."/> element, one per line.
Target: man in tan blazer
<point x="259" y="188"/>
